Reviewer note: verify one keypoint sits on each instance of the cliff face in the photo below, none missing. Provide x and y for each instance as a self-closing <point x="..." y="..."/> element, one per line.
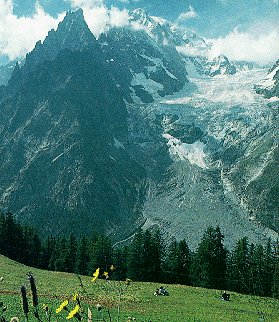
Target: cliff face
<point x="63" y="134"/>
<point x="269" y="86"/>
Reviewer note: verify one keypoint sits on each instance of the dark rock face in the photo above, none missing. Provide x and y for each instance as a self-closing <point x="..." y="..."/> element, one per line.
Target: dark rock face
<point x="142" y="67"/>
<point x="64" y="164"/>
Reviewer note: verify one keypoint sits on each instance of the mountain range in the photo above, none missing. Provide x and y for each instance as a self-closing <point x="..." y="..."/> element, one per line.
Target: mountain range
<point x="90" y="139"/>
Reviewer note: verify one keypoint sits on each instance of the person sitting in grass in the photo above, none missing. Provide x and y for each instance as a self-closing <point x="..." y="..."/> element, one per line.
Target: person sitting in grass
<point x="225" y="296"/>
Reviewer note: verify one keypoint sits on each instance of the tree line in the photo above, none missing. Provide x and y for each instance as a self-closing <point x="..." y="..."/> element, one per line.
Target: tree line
<point x="247" y="268"/>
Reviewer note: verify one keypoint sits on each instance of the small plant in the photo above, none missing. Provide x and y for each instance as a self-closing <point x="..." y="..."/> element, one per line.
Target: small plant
<point x="73" y="307"/>
<point x="3" y="309"/>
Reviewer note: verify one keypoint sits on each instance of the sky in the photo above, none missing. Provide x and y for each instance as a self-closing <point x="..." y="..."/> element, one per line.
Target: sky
<point x="241" y="29"/>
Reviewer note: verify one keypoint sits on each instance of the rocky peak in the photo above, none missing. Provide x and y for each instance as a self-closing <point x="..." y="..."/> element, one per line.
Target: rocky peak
<point x="156" y="28"/>
<point x="72" y="34"/>
<point x="269" y="86"/>
<point x="139" y="15"/>
<point x="221" y="65"/>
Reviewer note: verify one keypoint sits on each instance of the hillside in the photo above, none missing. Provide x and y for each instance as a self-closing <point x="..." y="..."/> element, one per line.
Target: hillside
<point x="184" y="303"/>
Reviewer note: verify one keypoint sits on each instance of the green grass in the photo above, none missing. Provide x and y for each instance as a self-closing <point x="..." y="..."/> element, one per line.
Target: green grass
<point x="184" y="303"/>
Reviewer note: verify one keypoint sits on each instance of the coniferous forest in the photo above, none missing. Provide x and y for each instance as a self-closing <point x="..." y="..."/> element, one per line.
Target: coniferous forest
<point x="247" y="268"/>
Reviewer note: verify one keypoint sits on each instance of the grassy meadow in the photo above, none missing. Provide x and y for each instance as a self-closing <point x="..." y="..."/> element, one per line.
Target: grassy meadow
<point x="136" y="300"/>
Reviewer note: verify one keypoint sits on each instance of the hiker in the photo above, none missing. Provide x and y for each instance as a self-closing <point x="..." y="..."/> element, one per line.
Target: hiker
<point x="163" y="291"/>
<point x="156" y="293"/>
<point x="225" y="296"/>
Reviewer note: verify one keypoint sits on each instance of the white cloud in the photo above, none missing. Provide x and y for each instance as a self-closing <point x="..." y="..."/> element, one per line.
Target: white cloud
<point x="99" y="17"/>
<point x="119" y="18"/>
<point x="190" y="51"/>
<point x="18" y="35"/>
<point x="261" y="48"/>
<point x="191" y="13"/>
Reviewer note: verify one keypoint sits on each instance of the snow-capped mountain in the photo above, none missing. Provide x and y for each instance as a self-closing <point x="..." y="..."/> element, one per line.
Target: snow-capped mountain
<point x="220" y="66"/>
<point x="142" y="68"/>
<point x="193" y="48"/>
<point x="109" y="134"/>
<point x="269" y="86"/>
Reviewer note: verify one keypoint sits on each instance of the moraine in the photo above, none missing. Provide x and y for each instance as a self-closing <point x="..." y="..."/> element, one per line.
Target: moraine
<point x="218" y="164"/>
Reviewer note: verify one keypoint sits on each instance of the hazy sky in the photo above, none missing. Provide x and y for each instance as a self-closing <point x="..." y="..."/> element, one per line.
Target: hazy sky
<point x="241" y="29"/>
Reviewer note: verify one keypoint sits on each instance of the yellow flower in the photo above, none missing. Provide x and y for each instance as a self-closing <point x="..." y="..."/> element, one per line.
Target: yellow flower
<point x="112" y="268"/>
<point x="73" y="313"/>
<point x="62" y="306"/>
<point x="75" y="297"/>
<point x="106" y="274"/>
<point x="96" y="275"/>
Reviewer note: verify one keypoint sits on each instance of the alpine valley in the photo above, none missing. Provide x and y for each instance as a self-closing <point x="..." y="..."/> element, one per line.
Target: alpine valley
<point x="139" y="128"/>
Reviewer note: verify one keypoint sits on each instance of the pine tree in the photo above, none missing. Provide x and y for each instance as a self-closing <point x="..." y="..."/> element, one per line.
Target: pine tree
<point x="71" y="254"/>
<point x="151" y="256"/>
<point x="177" y="263"/>
<point x="48" y="248"/>
<point x="135" y="260"/>
<point x="120" y="263"/>
<point x="13" y="241"/>
<point x="184" y="262"/>
<point x="83" y="257"/>
<point x="275" y="281"/>
<point x="33" y="251"/>
<point x="210" y="260"/>
<point x="239" y="269"/>
<point x="60" y="255"/>
<point x="101" y="254"/>
<point x="171" y="265"/>
<point x="268" y="269"/>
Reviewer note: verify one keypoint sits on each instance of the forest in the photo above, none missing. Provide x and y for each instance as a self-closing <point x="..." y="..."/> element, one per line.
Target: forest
<point x="247" y="268"/>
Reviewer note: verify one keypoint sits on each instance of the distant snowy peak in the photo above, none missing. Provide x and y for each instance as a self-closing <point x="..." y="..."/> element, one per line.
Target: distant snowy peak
<point x="157" y="28"/>
<point x="269" y="86"/>
<point x="221" y="66"/>
<point x="193" y="48"/>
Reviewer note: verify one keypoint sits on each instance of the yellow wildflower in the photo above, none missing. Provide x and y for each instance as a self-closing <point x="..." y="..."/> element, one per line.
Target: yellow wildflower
<point x="62" y="306"/>
<point x="106" y="274"/>
<point x="112" y="268"/>
<point x="73" y="313"/>
<point x="75" y="297"/>
<point x="96" y="275"/>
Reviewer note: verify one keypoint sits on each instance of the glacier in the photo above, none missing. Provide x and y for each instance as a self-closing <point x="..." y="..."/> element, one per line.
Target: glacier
<point x="209" y="182"/>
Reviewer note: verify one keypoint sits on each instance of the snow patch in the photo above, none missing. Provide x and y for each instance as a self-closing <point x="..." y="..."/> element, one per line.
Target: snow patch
<point x="118" y="144"/>
<point x="148" y="84"/>
<point x="268" y="82"/>
<point x="194" y="153"/>
<point x="273" y="99"/>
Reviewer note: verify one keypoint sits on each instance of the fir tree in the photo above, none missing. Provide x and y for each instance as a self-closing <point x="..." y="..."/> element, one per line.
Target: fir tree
<point x="239" y="269"/>
<point x="82" y="257"/>
<point x="135" y="260"/>
<point x="177" y="263"/>
<point x="101" y="254"/>
<point x="210" y="260"/>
